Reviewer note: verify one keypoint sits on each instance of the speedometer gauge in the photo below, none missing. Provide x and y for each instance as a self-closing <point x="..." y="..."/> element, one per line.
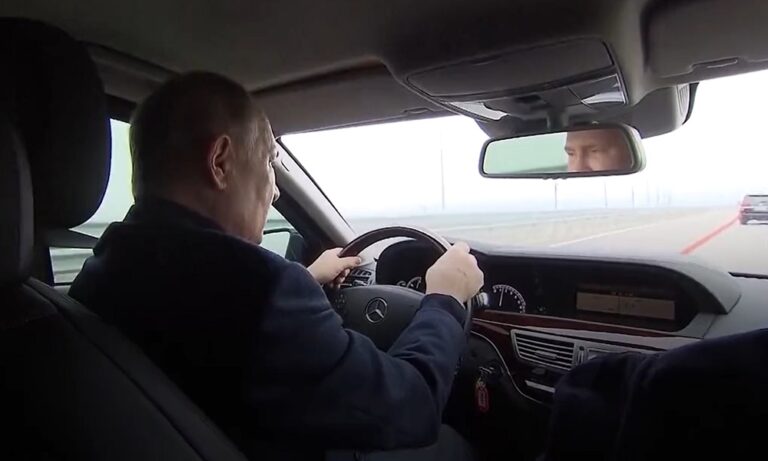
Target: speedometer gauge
<point x="508" y="298"/>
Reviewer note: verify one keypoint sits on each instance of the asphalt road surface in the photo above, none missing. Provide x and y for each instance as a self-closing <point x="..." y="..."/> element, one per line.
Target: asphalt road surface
<point x="713" y="235"/>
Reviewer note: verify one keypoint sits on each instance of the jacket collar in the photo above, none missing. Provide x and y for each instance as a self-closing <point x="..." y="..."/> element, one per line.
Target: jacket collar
<point x="166" y="213"/>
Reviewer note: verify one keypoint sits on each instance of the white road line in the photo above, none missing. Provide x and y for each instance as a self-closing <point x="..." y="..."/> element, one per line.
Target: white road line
<point x="606" y="234"/>
<point x="443" y="230"/>
<point x="515" y="223"/>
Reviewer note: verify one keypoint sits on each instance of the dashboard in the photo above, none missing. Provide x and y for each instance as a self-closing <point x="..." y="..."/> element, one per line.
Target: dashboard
<point x="549" y="312"/>
<point x="636" y="297"/>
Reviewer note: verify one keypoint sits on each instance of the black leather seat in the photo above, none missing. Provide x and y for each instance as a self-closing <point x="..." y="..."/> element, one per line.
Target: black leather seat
<point x="70" y="386"/>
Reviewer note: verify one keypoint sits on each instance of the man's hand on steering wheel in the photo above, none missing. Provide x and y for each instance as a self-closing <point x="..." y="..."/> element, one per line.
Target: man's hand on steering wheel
<point x="383" y="312"/>
<point x="455" y="274"/>
<point x="331" y="269"/>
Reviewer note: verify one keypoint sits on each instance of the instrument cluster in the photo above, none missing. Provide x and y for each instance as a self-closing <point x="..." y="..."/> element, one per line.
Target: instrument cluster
<point x="630" y="296"/>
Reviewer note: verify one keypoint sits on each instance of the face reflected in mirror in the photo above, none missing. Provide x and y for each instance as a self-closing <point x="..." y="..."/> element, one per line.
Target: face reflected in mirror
<point x="596" y="150"/>
<point x="603" y="149"/>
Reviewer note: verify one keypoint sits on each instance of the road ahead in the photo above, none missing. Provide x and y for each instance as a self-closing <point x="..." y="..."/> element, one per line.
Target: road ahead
<point x="713" y="235"/>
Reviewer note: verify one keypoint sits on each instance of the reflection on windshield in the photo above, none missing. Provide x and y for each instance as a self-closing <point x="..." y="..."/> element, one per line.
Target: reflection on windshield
<point x="687" y="201"/>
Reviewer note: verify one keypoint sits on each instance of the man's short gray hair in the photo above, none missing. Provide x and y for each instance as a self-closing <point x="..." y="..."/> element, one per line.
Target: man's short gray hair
<point x="172" y="127"/>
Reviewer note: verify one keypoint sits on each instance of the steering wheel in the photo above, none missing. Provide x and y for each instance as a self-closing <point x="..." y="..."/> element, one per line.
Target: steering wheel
<point x="382" y="312"/>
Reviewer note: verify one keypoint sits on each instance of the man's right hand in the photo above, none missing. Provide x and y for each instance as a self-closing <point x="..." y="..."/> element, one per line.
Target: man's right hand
<point x="455" y="274"/>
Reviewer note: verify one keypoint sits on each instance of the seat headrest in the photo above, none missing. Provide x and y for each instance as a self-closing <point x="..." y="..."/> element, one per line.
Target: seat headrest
<point x="16" y="231"/>
<point x="53" y="112"/>
<point x="58" y="106"/>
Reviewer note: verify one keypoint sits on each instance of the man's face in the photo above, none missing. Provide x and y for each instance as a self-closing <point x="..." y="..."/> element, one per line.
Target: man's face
<point x="597" y="150"/>
<point x="254" y="189"/>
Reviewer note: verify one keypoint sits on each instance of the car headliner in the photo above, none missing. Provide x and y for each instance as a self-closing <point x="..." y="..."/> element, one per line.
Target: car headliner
<point x="320" y="64"/>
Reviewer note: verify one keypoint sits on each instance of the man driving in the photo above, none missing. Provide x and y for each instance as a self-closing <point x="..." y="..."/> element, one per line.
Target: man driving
<point x="603" y="149"/>
<point x="248" y="335"/>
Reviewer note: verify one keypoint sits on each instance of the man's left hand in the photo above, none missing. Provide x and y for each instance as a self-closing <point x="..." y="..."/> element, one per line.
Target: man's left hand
<point x="329" y="268"/>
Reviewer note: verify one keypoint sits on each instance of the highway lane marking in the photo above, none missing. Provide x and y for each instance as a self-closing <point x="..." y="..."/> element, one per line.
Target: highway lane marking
<point x="706" y="238"/>
<point x="606" y="234"/>
<point x="544" y="220"/>
<point x="519" y="223"/>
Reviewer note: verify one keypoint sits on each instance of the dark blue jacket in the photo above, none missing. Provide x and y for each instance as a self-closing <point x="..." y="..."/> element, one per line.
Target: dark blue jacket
<point x="252" y="338"/>
<point x="707" y="400"/>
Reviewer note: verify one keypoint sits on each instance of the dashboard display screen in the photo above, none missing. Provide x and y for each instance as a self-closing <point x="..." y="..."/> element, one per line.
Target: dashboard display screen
<point x="625" y="304"/>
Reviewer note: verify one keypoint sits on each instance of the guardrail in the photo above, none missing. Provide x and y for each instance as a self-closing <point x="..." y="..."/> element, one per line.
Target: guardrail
<point x="67" y="263"/>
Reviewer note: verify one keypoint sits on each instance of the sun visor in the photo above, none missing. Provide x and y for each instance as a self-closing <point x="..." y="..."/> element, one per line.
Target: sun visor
<point x="707" y="39"/>
<point x="571" y="78"/>
<point x="356" y="97"/>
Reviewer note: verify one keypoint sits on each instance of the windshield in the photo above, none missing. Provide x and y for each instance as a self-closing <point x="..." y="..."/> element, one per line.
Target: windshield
<point x="689" y="200"/>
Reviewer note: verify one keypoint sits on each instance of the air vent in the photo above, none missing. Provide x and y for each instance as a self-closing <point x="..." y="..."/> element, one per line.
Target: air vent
<point x="358" y="278"/>
<point x="544" y="350"/>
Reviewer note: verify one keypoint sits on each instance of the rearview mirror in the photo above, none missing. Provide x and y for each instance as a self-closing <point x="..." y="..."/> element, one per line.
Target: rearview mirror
<point x="592" y="150"/>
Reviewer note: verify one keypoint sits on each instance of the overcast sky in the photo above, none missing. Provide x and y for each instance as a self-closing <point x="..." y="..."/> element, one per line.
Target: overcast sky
<point x="394" y="169"/>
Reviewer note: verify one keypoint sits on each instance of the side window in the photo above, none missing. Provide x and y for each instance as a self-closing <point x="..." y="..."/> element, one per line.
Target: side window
<point x="67" y="262"/>
<point x="279" y="235"/>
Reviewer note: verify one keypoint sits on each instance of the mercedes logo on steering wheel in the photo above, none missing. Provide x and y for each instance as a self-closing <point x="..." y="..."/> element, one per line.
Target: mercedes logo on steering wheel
<point x="376" y="310"/>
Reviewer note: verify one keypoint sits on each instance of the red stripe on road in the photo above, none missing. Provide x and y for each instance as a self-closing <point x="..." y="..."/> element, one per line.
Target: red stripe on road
<point x="706" y="238"/>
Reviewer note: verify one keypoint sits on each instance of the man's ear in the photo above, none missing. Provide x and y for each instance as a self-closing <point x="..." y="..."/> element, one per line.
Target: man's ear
<point x="219" y="161"/>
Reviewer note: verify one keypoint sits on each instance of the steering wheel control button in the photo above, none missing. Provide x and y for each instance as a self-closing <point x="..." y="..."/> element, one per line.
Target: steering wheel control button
<point x="480" y="301"/>
<point x="340" y="305"/>
<point x="358" y="278"/>
<point x="376" y="310"/>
